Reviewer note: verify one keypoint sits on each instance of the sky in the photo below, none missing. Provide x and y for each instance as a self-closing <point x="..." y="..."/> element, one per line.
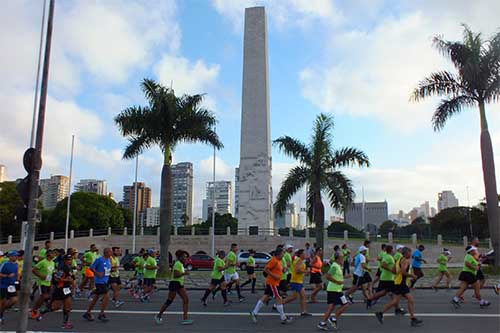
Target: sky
<point x="357" y="60"/>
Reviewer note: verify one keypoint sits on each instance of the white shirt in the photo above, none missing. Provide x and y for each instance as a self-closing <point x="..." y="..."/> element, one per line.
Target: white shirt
<point x="358" y="261"/>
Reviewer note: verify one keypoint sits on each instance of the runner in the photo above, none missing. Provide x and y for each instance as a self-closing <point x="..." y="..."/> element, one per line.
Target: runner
<point x="176" y="286"/>
<point x="101" y="269"/>
<point x="417" y="264"/>
<point x="335" y="296"/>
<point x="8" y="278"/>
<point x="230" y="274"/>
<point x="273" y="271"/>
<point x="380" y="256"/>
<point x="468" y="277"/>
<point x="442" y="260"/>
<point x="401" y="289"/>
<point x="347" y="260"/>
<point x="387" y="269"/>
<point x="398" y="254"/>
<point x="358" y="280"/>
<point x="480" y="274"/>
<point x="287" y="267"/>
<point x="217" y="278"/>
<point x="43" y="273"/>
<point x="150" y="270"/>
<point x="367" y="278"/>
<point x="138" y="263"/>
<point x="298" y="270"/>
<point x="316" y="266"/>
<point x="43" y="252"/>
<point x="114" y="277"/>
<point x="37" y="258"/>
<point x="87" y="275"/>
<point x="252" y="278"/>
<point x="64" y="281"/>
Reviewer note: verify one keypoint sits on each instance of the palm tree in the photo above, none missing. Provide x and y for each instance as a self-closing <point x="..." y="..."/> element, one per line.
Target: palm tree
<point x="318" y="168"/>
<point x="476" y="82"/>
<point x="166" y="121"/>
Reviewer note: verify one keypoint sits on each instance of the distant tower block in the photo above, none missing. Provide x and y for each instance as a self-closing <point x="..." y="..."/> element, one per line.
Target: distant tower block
<point x="255" y="191"/>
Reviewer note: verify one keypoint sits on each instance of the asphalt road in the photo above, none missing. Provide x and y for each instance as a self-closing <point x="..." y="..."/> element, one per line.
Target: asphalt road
<point x="434" y="308"/>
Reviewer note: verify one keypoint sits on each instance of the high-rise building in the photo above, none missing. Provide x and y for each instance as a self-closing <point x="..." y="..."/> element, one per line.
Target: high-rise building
<point x="425" y="210"/>
<point x="223" y="198"/>
<point x="362" y="214"/>
<point x="152" y="217"/>
<point x="93" y="186"/>
<point x="289" y="219"/>
<point x="236" y="191"/>
<point x="144" y="199"/>
<point x="446" y="199"/>
<point x="54" y="189"/>
<point x="3" y="173"/>
<point x="182" y="202"/>
<point x="433" y="211"/>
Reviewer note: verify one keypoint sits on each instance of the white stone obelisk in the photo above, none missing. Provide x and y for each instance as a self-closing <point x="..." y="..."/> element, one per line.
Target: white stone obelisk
<point x="255" y="190"/>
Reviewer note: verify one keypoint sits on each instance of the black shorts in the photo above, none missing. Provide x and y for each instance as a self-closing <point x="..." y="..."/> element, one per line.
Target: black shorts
<point x="401" y="289"/>
<point x="418" y="272"/>
<point x="44" y="289"/>
<point x="367" y="277"/>
<point x="175" y="286"/>
<point x="114" y="280"/>
<point x="288" y="277"/>
<point x="358" y="280"/>
<point x="216" y="282"/>
<point x="283" y="286"/>
<point x="480" y="275"/>
<point x="315" y="278"/>
<point x="101" y="289"/>
<point x="378" y="272"/>
<point x="4" y="294"/>
<point x="468" y="277"/>
<point x="149" y="282"/>
<point x="272" y="291"/>
<point x="58" y="294"/>
<point x="250" y="270"/>
<point x="337" y="298"/>
<point x="386" y="285"/>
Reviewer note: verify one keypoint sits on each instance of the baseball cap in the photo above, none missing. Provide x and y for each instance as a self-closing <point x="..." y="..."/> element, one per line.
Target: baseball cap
<point x="68" y="257"/>
<point x="151" y="251"/>
<point x="362" y="248"/>
<point x="399" y="247"/>
<point x="288" y="246"/>
<point x="471" y="248"/>
<point x="12" y="253"/>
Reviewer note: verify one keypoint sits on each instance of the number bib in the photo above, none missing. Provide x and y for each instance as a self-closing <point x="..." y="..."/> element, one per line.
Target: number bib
<point x="107" y="271"/>
<point x="67" y="291"/>
<point x="343" y="299"/>
<point x="49" y="277"/>
<point x="11" y="289"/>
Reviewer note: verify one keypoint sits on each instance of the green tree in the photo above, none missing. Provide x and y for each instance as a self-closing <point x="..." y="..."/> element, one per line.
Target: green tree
<point x="9" y="202"/>
<point x="222" y="221"/>
<point x="319" y="169"/>
<point x="476" y="83"/>
<point x="166" y="121"/>
<point x="337" y="230"/>
<point x="459" y="221"/>
<point x="386" y="227"/>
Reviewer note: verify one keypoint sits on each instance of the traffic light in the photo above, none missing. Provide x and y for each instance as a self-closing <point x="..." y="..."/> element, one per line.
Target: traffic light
<point x="23" y="186"/>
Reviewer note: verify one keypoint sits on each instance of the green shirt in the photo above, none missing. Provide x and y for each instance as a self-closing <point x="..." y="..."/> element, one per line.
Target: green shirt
<point x="139" y="264"/>
<point x="46" y="268"/>
<point x="443" y="263"/>
<point x="397" y="256"/>
<point x="470" y="259"/>
<point x="335" y="271"/>
<point x="179" y="267"/>
<point x="387" y="275"/>
<point x="216" y="272"/>
<point x="42" y="254"/>
<point x="150" y="273"/>
<point x="89" y="257"/>
<point x="231" y="260"/>
<point x="115" y="262"/>
<point x="251" y="261"/>
<point x="286" y="261"/>
<point x="346" y="253"/>
<point x="381" y="254"/>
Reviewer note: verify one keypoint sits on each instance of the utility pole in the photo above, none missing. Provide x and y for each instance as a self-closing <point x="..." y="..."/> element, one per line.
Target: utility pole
<point x="69" y="194"/>
<point x="213" y="208"/>
<point x="35" y="164"/>
<point x="134" y="223"/>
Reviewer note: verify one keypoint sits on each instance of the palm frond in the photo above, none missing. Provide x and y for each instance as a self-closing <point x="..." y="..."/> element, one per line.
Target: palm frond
<point x="449" y="107"/>
<point x="131" y="121"/>
<point x="295" y="179"/>
<point x="136" y="146"/>
<point x="321" y="141"/>
<point x="339" y="189"/>
<point x="349" y="156"/>
<point x="437" y="84"/>
<point x="293" y="148"/>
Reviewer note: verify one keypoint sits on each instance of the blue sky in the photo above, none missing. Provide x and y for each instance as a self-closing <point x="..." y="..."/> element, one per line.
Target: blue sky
<point x="357" y="60"/>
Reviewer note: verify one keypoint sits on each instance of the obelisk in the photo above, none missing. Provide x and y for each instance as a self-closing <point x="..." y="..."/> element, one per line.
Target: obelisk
<point x="255" y="190"/>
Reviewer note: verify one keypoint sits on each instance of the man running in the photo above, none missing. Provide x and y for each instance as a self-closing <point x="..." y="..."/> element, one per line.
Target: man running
<point x="401" y="289"/>
<point x="43" y="273"/>
<point x="335" y="296"/>
<point x="138" y="263"/>
<point x="298" y="270"/>
<point x="87" y="275"/>
<point x="417" y="264"/>
<point x="387" y="271"/>
<point x="380" y="256"/>
<point x="273" y="271"/>
<point x="8" y="277"/>
<point x="150" y="270"/>
<point x="176" y="287"/>
<point x="114" y="277"/>
<point x="468" y="277"/>
<point x="217" y="279"/>
<point x="360" y="266"/>
<point x="287" y="266"/>
<point x="442" y="261"/>
<point x="480" y="275"/>
<point x="252" y="278"/>
<point x="315" y="278"/>
<point x="230" y="274"/>
<point x="101" y="269"/>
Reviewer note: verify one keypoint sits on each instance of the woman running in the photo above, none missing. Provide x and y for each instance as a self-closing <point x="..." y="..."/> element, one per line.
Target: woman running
<point x="298" y="270"/>
<point x="217" y="278"/>
<point x="252" y="278"/>
<point x="316" y="266"/>
<point x="442" y="261"/>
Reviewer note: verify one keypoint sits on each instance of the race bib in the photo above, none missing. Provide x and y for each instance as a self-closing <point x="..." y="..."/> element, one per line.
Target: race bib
<point x="67" y="291"/>
<point x="49" y="277"/>
<point x="343" y="299"/>
<point x="107" y="271"/>
<point x="11" y="289"/>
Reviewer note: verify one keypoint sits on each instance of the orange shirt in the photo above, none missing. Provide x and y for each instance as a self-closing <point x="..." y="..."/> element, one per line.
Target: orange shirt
<point x="275" y="267"/>
<point x="317" y="265"/>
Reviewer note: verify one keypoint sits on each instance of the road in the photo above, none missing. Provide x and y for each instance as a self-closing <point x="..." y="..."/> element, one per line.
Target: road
<point x="434" y="308"/>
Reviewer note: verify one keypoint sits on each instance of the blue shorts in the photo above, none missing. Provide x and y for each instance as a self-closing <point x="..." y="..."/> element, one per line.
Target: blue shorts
<point x="296" y="286"/>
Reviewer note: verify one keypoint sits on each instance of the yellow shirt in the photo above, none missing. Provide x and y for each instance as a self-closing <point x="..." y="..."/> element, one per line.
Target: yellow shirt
<point x="297" y="277"/>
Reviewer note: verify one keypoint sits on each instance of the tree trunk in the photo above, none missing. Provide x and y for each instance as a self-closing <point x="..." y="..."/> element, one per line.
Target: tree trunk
<point x="319" y="220"/>
<point x="165" y="214"/>
<point x="490" y="184"/>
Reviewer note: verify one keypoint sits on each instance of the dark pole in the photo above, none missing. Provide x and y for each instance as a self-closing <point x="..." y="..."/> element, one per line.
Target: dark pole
<point x="36" y="165"/>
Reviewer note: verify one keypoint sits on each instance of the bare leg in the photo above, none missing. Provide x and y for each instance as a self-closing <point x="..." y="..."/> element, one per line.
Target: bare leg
<point x="104" y="303"/>
<point x="328" y="312"/>
<point x="438" y="280"/>
<point x="185" y="302"/>
<point x="411" y="305"/>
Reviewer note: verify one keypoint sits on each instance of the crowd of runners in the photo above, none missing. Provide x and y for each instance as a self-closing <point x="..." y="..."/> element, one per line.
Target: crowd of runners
<point x="60" y="276"/>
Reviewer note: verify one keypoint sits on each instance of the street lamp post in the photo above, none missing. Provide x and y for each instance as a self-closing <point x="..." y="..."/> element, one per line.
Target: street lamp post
<point x="69" y="194"/>
<point x="135" y="204"/>
<point x="213" y="208"/>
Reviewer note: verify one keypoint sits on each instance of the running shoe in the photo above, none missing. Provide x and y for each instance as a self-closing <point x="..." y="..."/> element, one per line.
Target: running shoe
<point x="87" y="316"/>
<point x="380" y="317"/>
<point x="241" y="299"/>
<point x="102" y="317"/>
<point x="497" y="289"/>
<point x="322" y="326"/>
<point x="203" y="302"/>
<point x="274" y="307"/>
<point x="119" y="303"/>
<point x="227" y="303"/>
<point x="400" y="311"/>
<point x="484" y="304"/>
<point x="39" y="318"/>
<point x="351" y="300"/>
<point x="67" y="325"/>
<point x="416" y="322"/>
<point x="455" y="303"/>
<point x="253" y="316"/>
<point x="187" y="322"/>
<point x="158" y="320"/>
<point x="368" y="304"/>
<point x="287" y="320"/>
<point x="305" y="314"/>
<point x="332" y="321"/>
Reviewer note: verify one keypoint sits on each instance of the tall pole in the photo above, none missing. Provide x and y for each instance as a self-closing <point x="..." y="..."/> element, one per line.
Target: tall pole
<point x="468" y="212"/>
<point x="363" y="209"/>
<point x="33" y="122"/>
<point x="36" y="165"/>
<point x="213" y="207"/>
<point x="69" y="193"/>
<point x="135" y="204"/>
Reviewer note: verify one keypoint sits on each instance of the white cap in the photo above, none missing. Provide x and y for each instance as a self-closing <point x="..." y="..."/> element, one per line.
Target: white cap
<point x="472" y="248"/>
<point x="399" y="247"/>
<point x="448" y="253"/>
<point x="362" y="248"/>
<point x="288" y="246"/>
<point x="1" y="253"/>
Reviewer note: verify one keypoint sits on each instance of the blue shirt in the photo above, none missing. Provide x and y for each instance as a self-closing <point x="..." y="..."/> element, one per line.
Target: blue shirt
<point x="417" y="259"/>
<point x="102" y="265"/>
<point x="8" y="268"/>
<point x="358" y="268"/>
